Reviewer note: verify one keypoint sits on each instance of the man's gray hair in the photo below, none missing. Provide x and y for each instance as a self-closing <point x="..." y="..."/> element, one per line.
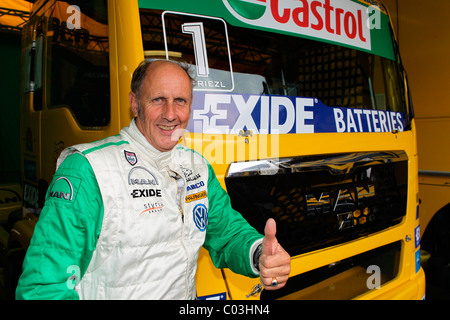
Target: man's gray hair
<point x="141" y="71"/>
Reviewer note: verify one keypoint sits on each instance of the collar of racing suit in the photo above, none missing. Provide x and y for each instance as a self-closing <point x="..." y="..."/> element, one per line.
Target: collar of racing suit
<point x="161" y="159"/>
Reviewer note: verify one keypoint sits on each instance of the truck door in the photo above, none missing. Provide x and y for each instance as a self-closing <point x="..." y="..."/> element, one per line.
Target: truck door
<point x="31" y="105"/>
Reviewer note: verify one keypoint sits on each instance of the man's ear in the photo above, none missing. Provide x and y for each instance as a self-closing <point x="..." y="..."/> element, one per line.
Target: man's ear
<point x="134" y="104"/>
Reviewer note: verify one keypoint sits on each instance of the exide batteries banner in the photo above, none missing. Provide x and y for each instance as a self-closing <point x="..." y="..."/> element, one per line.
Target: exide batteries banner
<point x="229" y="113"/>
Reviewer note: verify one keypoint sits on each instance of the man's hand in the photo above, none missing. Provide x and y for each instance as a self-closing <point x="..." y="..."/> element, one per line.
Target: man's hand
<point x="274" y="262"/>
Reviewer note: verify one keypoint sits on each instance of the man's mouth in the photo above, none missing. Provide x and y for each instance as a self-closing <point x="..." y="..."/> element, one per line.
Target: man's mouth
<point x="166" y="128"/>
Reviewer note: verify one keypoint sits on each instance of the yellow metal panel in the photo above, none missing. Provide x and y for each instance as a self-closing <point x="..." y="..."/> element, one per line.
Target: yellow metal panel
<point x="209" y="279"/>
<point x="411" y="289"/>
<point x="127" y="53"/>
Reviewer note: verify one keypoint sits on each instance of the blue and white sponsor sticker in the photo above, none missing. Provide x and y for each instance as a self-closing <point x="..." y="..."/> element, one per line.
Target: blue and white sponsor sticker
<point x="417" y="236"/>
<point x="417" y="260"/>
<point x="217" y="296"/>
<point x="229" y="113"/>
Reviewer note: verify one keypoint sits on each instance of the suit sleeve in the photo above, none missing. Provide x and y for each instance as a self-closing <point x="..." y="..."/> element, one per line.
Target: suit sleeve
<point x="65" y="235"/>
<point x="230" y="239"/>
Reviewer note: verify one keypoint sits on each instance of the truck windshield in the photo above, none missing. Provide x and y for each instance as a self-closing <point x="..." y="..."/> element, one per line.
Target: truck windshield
<point x="79" y="66"/>
<point x="265" y="63"/>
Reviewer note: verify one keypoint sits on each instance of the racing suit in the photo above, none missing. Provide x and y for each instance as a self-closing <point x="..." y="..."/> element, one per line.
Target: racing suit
<point x="123" y="220"/>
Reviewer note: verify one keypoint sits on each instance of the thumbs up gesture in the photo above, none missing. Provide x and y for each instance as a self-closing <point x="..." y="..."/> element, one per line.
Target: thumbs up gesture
<point x="274" y="262"/>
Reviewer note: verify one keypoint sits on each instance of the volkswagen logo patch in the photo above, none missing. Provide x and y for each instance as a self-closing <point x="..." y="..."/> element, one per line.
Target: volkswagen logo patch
<point x="201" y="216"/>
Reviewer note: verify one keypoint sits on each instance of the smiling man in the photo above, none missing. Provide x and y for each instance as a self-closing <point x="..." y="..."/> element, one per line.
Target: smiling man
<point x="133" y="224"/>
<point x="162" y="103"/>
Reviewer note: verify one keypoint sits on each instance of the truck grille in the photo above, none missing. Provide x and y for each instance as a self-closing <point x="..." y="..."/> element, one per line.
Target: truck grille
<point x="344" y="279"/>
<point x="319" y="201"/>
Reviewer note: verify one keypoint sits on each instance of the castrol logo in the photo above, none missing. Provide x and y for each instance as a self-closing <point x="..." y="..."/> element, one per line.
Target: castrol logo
<point x="338" y="21"/>
<point x="249" y="9"/>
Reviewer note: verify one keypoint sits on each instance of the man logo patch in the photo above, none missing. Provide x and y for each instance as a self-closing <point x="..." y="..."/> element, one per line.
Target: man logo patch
<point x="64" y="188"/>
<point x="131" y="157"/>
<point x="201" y="216"/>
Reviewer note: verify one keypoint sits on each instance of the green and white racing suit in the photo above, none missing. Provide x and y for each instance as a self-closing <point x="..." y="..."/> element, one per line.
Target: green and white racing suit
<point x="124" y="221"/>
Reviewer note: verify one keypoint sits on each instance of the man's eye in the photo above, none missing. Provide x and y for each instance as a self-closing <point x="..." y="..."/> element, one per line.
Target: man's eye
<point x="158" y="101"/>
<point x="180" y="101"/>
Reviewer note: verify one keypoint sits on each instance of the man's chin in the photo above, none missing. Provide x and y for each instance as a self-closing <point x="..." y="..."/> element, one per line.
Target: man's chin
<point x="166" y="144"/>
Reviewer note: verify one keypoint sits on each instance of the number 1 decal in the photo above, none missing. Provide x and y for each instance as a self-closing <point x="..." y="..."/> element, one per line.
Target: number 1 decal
<point x="186" y="32"/>
<point x="198" y="37"/>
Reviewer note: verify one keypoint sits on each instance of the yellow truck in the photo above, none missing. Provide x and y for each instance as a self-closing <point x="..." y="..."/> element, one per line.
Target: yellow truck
<point x="302" y="108"/>
<point x="427" y="66"/>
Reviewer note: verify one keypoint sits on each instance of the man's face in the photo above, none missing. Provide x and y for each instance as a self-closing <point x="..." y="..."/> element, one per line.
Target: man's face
<point x="165" y="104"/>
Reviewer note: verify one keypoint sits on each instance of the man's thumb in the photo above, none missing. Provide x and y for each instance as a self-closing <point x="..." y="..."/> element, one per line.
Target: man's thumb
<point x="270" y="242"/>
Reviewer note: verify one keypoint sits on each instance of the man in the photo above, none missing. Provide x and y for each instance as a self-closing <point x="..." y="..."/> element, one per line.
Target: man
<point x="118" y="214"/>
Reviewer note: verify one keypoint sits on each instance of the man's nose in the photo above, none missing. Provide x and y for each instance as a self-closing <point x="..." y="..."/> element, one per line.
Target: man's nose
<point x="169" y="111"/>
